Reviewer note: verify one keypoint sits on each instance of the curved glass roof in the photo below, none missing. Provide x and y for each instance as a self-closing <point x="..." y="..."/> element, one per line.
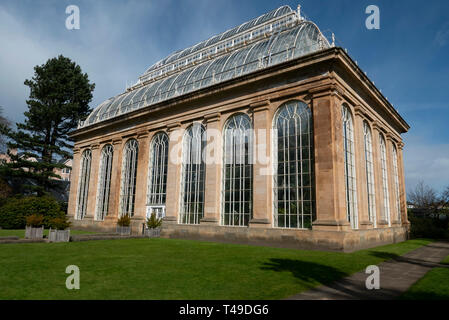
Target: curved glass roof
<point x="275" y="37"/>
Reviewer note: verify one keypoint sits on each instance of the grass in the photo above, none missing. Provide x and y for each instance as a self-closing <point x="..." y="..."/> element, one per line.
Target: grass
<point x="433" y="286"/>
<point x="21" y="232"/>
<point x="176" y="269"/>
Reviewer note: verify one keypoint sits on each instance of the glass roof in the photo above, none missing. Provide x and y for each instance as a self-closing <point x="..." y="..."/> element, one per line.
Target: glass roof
<point x="275" y="37"/>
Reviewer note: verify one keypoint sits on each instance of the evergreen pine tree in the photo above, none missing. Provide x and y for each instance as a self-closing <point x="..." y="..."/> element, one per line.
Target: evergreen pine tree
<point x="59" y="97"/>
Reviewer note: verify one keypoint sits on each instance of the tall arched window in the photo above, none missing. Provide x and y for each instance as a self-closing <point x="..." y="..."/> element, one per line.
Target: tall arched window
<point x="104" y="182"/>
<point x="396" y="183"/>
<point x="83" y="185"/>
<point x="129" y="174"/>
<point x="369" y="166"/>
<point x="383" y="162"/>
<point x="193" y="172"/>
<point x="350" y="177"/>
<point x="293" y="184"/>
<point x="157" y="179"/>
<point x="237" y="172"/>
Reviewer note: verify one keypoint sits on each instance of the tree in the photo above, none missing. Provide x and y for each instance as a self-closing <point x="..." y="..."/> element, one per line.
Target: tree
<point x="445" y="198"/>
<point x="4" y="123"/>
<point x="59" y="97"/>
<point x="423" y="196"/>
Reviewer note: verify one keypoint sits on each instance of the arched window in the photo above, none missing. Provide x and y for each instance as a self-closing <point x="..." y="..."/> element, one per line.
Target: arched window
<point x="369" y="166"/>
<point x="396" y="182"/>
<point x="104" y="182"/>
<point x="83" y="185"/>
<point x="383" y="162"/>
<point x="294" y="183"/>
<point x="350" y="177"/>
<point x="193" y="172"/>
<point x="237" y="172"/>
<point x="157" y="179"/>
<point x="129" y="174"/>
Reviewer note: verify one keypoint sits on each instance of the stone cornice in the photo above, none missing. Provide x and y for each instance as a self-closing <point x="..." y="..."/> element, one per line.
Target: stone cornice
<point x="377" y="126"/>
<point x="391" y="138"/>
<point x="358" y="111"/>
<point x="95" y="146"/>
<point x="212" y="117"/>
<point x="142" y="134"/>
<point x="117" y="141"/>
<point x="173" y="126"/>
<point x="260" y="106"/>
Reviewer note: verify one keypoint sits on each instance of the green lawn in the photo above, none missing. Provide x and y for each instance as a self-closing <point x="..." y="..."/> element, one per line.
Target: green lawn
<point x="433" y="286"/>
<point x="175" y="269"/>
<point x="21" y="232"/>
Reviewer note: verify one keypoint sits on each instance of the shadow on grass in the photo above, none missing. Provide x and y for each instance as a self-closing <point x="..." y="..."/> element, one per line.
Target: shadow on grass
<point x="335" y="284"/>
<point x="387" y="256"/>
<point x="308" y="272"/>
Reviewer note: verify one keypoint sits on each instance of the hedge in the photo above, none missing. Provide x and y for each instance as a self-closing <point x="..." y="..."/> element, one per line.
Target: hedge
<point x="14" y="211"/>
<point x="427" y="227"/>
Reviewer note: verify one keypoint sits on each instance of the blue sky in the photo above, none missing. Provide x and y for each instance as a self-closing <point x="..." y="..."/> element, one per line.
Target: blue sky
<point x="407" y="58"/>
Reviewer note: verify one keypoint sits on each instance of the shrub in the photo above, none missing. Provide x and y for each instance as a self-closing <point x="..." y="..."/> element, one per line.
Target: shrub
<point x="124" y="221"/>
<point x="14" y="211"/>
<point x="35" y="220"/>
<point x="153" y="222"/>
<point x="432" y="228"/>
<point x="59" y="223"/>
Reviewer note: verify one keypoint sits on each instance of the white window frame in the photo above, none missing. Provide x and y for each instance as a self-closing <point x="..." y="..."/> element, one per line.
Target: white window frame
<point x="350" y="169"/>
<point x="384" y="169"/>
<point x="300" y="198"/>
<point x="129" y="177"/>
<point x="237" y="180"/>
<point x="104" y="182"/>
<point x="157" y="171"/>
<point x="396" y="182"/>
<point x="193" y="173"/>
<point x="369" y="169"/>
<point x="83" y="184"/>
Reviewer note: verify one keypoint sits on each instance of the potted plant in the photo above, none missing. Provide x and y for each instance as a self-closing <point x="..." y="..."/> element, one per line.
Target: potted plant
<point x="153" y="226"/>
<point x="34" y="227"/>
<point x="123" y="225"/>
<point x="59" y="231"/>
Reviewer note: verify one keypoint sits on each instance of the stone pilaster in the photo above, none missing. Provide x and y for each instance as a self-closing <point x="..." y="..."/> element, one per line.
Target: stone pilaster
<point x="403" y="194"/>
<point x="175" y="133"/>
<point x="329" y="162"/>
<point x="262" y="167"/>
<point x="143" y="138"/>
<point x="214" y="159"/>
<point x="71" y="210"/>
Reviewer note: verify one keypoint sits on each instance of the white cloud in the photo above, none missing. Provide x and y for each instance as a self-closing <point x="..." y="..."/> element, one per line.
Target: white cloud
<point x="442" y="36"/>
<point x="429" y="163"/>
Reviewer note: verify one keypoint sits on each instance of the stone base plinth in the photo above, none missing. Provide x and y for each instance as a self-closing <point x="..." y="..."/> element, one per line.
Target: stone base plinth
<point x="109" y="225"/>
<point x="346" y="241"/>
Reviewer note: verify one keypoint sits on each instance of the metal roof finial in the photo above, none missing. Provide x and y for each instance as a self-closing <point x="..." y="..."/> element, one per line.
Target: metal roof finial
<point x="299" y="12"/>
<point x="333" y="39"/>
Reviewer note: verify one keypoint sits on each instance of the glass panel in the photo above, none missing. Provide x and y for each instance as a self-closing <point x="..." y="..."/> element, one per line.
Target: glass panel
<point x="294" y="194"/>
<point x="193" y="174"/>
<point x="237" y="194"/>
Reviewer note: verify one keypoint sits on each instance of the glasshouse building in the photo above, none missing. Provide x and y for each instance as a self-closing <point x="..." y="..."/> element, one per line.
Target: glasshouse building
<point x="264" y="134"/>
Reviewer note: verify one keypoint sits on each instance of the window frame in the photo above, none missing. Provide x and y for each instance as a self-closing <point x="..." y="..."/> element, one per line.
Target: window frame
<point x="286" y="197"/>
<point x="350" y="167"/>
<point x="239" y="195"/>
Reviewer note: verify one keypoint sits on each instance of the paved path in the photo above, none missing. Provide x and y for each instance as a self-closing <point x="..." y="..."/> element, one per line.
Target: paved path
<point x="396" y="276"/>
